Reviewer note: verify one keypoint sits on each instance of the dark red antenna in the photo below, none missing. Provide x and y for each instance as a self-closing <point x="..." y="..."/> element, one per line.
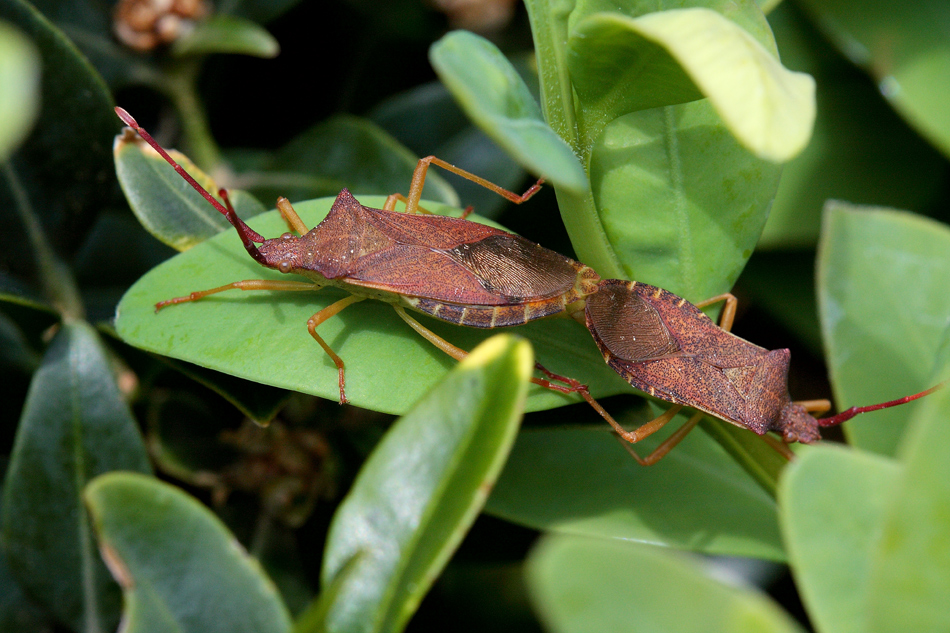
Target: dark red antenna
<point x="248" y="235"/>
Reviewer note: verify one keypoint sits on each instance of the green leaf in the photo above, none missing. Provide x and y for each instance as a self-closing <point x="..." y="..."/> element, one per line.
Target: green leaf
<point x="625" y="64"/>
<point x="19" y="99"/>
<point x="167" y="206"/>
<point x="17" y="611"/>
<point x="881" y="330"/>
<point x="74" y="426"/>
<point x="495" y="97"/>
<point x="263" y="336"/>
<point x="181" y="570"/>
<point x="344" y="151"/>
<point x="833" y="501"/>
<point x="680" y="202"/>
<point x="422" y="487"/>
<point x="860" y="150"/>
<point x="587" y="585"/>
<point x="227" y="34"/>
<point x="903" y="50"/>
<point x="909" y="584"/>
<point x="581" y="481"/>
<point x="64" y="165"/>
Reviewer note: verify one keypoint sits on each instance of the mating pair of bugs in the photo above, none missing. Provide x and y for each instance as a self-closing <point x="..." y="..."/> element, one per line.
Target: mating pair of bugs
<point x="487" y="278"/>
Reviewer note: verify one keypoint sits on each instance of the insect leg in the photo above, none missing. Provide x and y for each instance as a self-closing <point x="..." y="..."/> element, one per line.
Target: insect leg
<point x="667" y="445"/>
<point x="249" y="284"/>
<point x="728" y="310"/>
<point x="332" y="310"/>
<point x="815" y="406"/>
<point x="458" y="354"/>
<point x="419" y="178"/>
<point x="290" y="216"/>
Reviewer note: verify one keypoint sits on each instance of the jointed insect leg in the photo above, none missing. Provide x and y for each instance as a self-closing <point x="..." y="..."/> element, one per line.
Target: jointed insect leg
<point x="332" y="310"/>
<point x="458" y="354"/>
<point x="728" y="310"/>
<point x="248" y="284"/>
<point x="419" y="178"/>
<point x="294" y="223"/>
<point x="667" y="445"/>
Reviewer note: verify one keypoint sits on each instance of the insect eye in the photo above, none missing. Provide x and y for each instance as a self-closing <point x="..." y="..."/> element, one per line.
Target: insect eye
<point x="286" y="236"/>
<point x="284" y="266"/>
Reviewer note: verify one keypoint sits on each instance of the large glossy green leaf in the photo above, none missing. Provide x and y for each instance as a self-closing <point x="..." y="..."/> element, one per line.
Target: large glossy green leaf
<point x="587" y="585"/>
<point x="581" y="481"/>
<point x="227" y="34"/>
<point x="833" y="501"/>
<point x="675" y="169"/>
<point x="19" y="99"/>
<point x="343" y="151"/>
<point x="74" y="426"/>
<point x="180" y="568"/>
<point x="909" y="586"/>
<point x="167" y="206"/>
<point x="263" y="336"/>
<point x="422" y="487"/>
<point x="905" y="48"/>
<point x="681" y="203"/>
<point x="882" y="295"/>
<point x="625" y="64"/>
<point x="860" y="151"/>
<point x="495" y="97"/>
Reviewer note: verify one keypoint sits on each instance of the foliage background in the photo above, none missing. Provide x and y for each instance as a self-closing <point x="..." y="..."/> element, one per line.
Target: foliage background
<point x="874" y="309"/>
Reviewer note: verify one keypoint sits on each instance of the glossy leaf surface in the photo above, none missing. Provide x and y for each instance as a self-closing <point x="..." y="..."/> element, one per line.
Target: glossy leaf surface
<point x="422" y="487"/>
<point x="881" y="333"/>
<point x="75" y="426"/>
<point x="581" y="481"/>
<point x="589" y="585"/>
<point x="263" y="336"/>
<point x="181" y="570"/>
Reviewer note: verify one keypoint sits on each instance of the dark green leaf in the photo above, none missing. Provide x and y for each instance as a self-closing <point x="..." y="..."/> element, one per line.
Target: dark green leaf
<point x="344" y="151"/>
<point x="591" y="586"/>
<point x="64" y="166"/>
<point x="422" y="487"/>
<point x="495" y="97"/>
<point x="180" y="568"/>
<point x="882" y="296"/>
<point x="581" y="481"/>
<point x="263" y="336"/>
<point x="903" y="49"/>
<point x="227" y="34"/>
<point x="860" y="151"/>
<point x="74" y="426"/>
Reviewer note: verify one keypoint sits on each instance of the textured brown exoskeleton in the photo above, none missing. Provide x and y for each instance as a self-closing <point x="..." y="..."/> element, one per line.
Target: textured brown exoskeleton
<point x="458" y="271"/>
<point x="667" y="347"/>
